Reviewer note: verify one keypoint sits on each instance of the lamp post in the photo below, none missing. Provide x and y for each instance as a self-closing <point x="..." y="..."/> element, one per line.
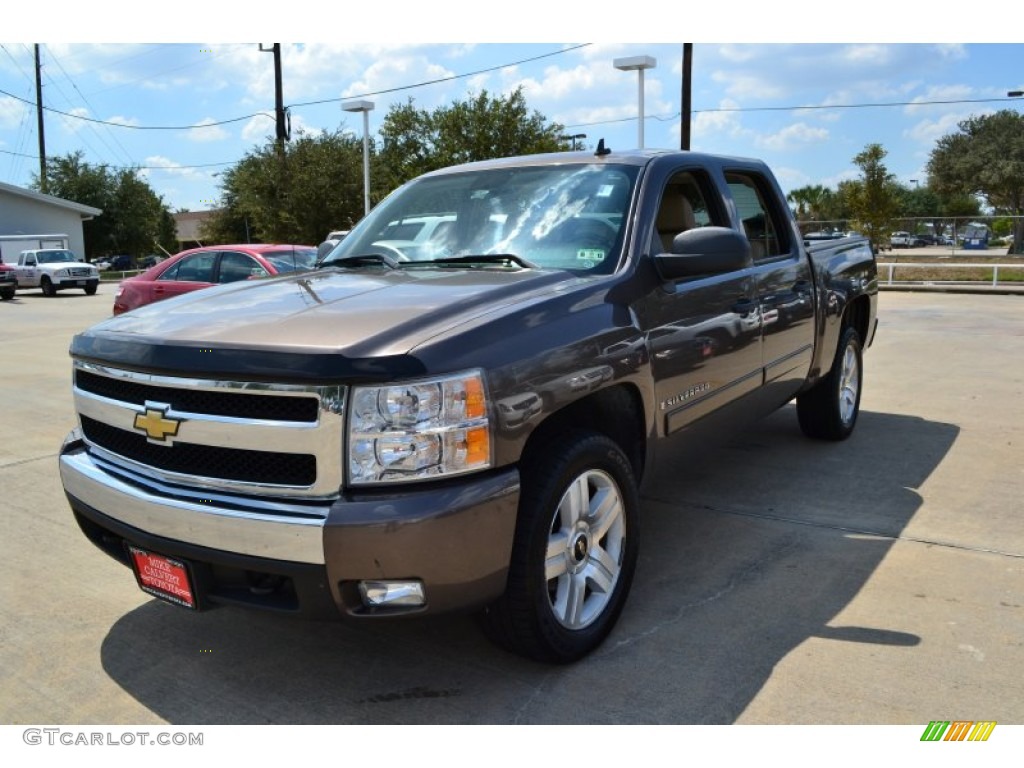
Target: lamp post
<point x="573" y="138"/>
<point x="639" y="63"/>
<point x="361" y="105"/>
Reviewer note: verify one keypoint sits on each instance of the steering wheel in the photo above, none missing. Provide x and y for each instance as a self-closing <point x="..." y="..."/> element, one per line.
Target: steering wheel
<point x="389" y="250"/>
<point x="587" y="233"/>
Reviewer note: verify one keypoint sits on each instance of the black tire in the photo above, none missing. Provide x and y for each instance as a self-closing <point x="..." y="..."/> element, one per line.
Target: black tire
<point x="571" y="569"/>
<point x="829" y="410"/>
<point x="47" y="286"/>
<point x="7" y="295"/>
<point x="90" y="290"/>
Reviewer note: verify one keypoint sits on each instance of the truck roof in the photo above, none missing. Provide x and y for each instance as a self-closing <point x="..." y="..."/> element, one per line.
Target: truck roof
<point x="620" y="157"/>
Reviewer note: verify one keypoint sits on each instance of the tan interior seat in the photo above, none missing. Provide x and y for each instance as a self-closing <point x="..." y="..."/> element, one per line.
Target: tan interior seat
<point x="674" y="216"/>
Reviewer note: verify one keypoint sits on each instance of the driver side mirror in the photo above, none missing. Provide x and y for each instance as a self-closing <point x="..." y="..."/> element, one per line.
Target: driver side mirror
<point x="704" y="251"/>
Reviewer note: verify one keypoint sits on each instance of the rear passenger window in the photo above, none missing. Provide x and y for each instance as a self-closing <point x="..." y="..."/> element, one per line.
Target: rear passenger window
<point x="761" y="221"/>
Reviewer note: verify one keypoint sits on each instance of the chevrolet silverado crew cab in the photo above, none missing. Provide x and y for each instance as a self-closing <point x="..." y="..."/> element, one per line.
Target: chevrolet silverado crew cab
<point x="54" y="269"/>
<point x="462" y="421"/>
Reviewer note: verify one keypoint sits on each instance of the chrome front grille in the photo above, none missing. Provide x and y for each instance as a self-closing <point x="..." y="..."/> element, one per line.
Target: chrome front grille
<point x="250" y="438"/>
<point x="80" y="271"/>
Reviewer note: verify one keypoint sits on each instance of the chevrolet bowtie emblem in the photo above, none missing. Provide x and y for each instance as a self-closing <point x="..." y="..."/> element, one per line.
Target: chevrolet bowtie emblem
<point x="155" y="424"/>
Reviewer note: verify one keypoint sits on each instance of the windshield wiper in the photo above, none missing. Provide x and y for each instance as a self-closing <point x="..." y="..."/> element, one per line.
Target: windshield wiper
<point x="362" y="260"/>
<point x="506" y="259"/>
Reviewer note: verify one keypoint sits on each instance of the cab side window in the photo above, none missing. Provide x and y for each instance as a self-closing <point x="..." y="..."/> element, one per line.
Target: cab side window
<point x="197" y="268"/>
<point x="761" y="222"/>
<point x="683" y="206"/>
<point x="238" y="266"/>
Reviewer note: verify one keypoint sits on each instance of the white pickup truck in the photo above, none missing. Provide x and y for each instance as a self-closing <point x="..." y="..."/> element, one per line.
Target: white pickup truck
<point x="54" y="269"/>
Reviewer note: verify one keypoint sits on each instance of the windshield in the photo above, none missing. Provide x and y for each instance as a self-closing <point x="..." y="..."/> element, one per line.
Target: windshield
<point x="55" y="257"/>
<point x="291" y="260"/>
<point x="568" y="216"/>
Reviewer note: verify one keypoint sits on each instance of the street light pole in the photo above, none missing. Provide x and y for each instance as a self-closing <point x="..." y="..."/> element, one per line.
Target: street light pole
<point x="364" y="107"/>
<point x="639" y="63"/>
<point x="573" y="139"/>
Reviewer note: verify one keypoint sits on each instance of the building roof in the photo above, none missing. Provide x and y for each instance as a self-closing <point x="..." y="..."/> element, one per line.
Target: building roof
<point x="86" y="211"/>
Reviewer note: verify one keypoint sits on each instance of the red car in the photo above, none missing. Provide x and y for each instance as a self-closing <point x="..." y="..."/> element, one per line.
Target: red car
<point x="212" y="265"/>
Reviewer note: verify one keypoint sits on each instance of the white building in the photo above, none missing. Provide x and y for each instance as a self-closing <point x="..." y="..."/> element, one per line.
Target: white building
<point x="29" y="213"/>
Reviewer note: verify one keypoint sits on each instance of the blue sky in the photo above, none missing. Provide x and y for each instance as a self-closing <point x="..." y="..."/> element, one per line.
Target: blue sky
<point x="746" y="90"/>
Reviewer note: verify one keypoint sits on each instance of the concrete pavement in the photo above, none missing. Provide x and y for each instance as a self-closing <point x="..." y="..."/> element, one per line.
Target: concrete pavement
<point x="880" y="580"/>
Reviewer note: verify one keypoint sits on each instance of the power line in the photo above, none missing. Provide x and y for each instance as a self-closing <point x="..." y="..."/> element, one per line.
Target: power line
<point x="858" y="106"/>
<point x="674" y="115"/>
<point x="138" y="127"/>
<point x="302" y="104"/>
<point x="134" y="167"/>
<point x="443" y="79"/>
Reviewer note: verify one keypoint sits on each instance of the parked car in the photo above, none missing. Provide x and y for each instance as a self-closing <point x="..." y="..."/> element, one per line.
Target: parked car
<point x="202" y="267"/>
<point x="101" y="264"/>
<point x="8" y="281"/>
<point x="905" y="240"/>
<point x="122" y="263"/>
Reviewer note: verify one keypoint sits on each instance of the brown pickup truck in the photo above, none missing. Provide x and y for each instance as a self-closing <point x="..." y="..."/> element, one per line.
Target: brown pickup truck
<point x="457" y="409"/>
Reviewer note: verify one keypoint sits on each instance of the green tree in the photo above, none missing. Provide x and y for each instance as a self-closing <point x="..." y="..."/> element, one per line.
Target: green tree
<point x="414" y="141"/>
<point x="135" y="220"/>
<point x="815" y="202"/>
<point x="873" y="199"/>
<point x="985" y="157"/>
<point x="298" y="197"/>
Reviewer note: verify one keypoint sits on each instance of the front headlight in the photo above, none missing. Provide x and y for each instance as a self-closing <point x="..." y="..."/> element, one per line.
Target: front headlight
<point x="62" y="273"/>
<point x="418" y="430"/>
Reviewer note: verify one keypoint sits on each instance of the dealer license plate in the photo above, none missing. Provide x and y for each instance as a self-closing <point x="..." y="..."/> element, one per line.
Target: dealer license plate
<point x="163" y="577"/>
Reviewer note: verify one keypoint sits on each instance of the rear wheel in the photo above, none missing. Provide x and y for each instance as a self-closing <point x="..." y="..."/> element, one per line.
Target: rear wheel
<point x="47" y="286"/>
<point x="574" y="553"/>
<point x="829" y="410"/>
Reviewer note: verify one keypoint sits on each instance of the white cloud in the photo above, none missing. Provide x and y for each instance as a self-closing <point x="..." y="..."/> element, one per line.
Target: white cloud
<point x="161" y="164"/>
<point x="712" y="124"/>
<point x="927" y="132"/>
<point x="119" y="120"/>
<point x="259" y="128"/>
<point x="939" y="93"/>
<point x="748" y="85"/>
<point x="875" y="54"/>
<point x="792" y="136"/>
<point x="211" y="133"/>
<point x="12" y="112"/>
<point x="70" y="124"/>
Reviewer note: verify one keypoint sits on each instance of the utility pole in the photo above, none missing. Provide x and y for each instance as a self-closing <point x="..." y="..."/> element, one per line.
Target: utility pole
<point x="684" y="129"/>
<point x="39" y="118"/>
<point x="282" y="133"/>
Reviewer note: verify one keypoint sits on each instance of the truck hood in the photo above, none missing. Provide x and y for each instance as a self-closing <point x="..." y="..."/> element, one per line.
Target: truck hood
<point x="352" y="315"/>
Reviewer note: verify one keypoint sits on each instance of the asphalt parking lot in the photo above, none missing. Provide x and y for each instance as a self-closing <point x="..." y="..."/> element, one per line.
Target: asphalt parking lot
<point x="877" y="581"/>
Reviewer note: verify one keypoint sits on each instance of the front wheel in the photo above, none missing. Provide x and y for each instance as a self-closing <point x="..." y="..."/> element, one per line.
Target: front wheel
<point x="90" y="290"/>
<point x="574" y="553"/>
<point x="829" y="410"/>
<point x="47" y="287"/>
